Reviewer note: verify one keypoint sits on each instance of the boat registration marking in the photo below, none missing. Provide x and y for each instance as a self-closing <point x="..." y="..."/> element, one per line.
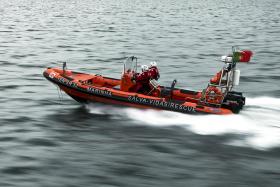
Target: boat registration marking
<point x="67" y="82"/>
<point x="52" y="75"/>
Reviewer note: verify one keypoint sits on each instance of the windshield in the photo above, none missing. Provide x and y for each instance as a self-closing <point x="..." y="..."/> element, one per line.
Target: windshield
<point x="130" y="64"/>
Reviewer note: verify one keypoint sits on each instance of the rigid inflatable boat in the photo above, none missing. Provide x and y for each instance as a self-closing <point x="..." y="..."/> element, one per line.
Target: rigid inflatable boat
<point x="218" y="97"/>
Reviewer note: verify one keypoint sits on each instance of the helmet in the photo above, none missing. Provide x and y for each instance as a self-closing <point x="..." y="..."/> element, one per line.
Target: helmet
<point x="153" y="64"/>
<point x="144" y="67"/>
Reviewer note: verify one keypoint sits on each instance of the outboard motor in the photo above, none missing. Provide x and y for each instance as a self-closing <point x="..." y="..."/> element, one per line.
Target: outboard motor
<point x="219" y="91"/>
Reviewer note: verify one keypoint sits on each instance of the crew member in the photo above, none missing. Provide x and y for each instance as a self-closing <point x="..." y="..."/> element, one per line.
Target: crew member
<point x="143" y="79"/>
<point x="144" y="76"/>
<point x="153" y="70"/>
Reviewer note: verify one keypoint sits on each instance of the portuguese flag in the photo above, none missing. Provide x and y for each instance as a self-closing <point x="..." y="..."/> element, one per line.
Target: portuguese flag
<point x="242" y="56"/>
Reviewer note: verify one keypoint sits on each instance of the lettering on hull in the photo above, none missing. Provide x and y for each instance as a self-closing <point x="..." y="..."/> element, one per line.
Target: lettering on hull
<point x="161" y="104"/>
<point x="99" y="92"/>
<point x="67" y="82"/>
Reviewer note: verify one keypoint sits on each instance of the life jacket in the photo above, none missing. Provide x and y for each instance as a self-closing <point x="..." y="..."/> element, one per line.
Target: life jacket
<point x="154" y="73"/>
<point x="143" y="77"/>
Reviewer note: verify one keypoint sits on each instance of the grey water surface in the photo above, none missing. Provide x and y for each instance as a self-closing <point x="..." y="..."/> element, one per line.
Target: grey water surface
<point x="48" y="139"/>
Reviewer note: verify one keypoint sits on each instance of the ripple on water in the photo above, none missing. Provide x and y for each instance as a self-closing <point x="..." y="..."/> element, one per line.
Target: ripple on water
<point x="18" y="56"/>
<point x="31" y="66"/>
<point x="8" y="139"/>
<point x="6" y="63"/>
<point x="251" y="79"/>
<point x="41" y="142"/>
<point x="19" y="170"/>
<point x="18" y="119"/>
<point x="8" y="87"/>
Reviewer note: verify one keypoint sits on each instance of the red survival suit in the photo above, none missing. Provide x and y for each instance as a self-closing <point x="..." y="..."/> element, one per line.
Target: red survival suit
<point x="143" y="79"/>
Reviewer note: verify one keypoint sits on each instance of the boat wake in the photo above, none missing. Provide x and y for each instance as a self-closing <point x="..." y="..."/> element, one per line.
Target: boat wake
<point x="259" y="121"/>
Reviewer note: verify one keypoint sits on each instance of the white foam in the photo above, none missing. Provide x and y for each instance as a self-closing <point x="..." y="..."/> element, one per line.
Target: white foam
<point x="259" y="121"/>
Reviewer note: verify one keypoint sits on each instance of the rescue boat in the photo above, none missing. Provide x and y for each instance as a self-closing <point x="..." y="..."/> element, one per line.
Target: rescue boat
<point x="217" y="98"/>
